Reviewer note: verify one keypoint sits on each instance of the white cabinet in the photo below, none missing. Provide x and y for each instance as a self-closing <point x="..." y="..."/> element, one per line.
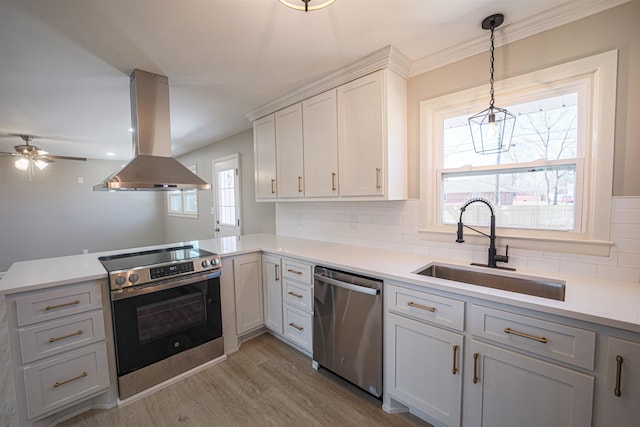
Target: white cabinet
<point x="506" y="389"/>
<point x="372" y="136"/>
<point x="59" y="345"/>
<point x="247" y="276"/>
<point x="289" y="146"/>
<point x="622" y="392"/>
<point x="320" y="135"/>
<point x="423" y="362"/>
<point x="264" y="151"/>
<point x="298" y="303"/>
<point x="272" y="277"/>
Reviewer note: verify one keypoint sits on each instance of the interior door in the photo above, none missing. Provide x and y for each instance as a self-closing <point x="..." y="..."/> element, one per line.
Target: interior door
<point x="226" y="189"/>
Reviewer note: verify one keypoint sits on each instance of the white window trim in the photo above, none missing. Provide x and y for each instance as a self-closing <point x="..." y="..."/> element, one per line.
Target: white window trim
<point x="594" y="238"/>
<point x="183" y="214"/>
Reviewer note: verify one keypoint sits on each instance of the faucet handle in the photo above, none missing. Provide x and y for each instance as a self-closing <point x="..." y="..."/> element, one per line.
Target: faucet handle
<point x="503" y="258"/>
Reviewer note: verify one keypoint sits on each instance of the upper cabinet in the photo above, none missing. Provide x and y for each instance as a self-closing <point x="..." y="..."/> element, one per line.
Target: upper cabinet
<point x="348" y="142"/>
<point x="289" y="152"/>
<point x="320" y="134"/>
<point x="264" y="150"/>
<point x="372" y="141"/>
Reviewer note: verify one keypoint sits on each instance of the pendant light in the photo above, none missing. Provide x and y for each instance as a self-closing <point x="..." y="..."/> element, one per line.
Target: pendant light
<point x="306" y="5"/>
<point x="492" y="129"/>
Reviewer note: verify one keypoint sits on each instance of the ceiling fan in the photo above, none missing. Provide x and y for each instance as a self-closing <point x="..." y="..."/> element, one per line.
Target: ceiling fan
<point x="29" y="156"/>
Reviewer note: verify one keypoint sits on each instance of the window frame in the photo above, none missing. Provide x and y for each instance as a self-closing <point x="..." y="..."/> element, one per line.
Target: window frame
<point x="593" y="235"/>
<point x="183" y="213"/>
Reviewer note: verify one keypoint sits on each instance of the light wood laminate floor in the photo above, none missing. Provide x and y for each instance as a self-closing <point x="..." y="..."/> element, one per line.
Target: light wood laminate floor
<point x="266" y="383"/>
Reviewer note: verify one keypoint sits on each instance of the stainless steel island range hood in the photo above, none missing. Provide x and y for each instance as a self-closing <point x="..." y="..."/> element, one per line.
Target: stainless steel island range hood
<point x="152" y="168"/>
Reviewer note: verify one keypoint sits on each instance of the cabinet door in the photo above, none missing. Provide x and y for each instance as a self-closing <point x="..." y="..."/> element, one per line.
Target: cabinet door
<point x="622" y="395"/>
<point x="289" y="151"/>
<point x="423" y="370"/>
<point x="247" y="276"/>
<point x="320" y="134"/>
<point x="264" y="150"/>
<point x="272" y="275"/>
<point x="361" y="136"/>
<point x="511" y="389"/>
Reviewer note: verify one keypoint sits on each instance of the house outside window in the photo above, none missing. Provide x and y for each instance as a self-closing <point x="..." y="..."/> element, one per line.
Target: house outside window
<point x="554" y="184"/>
<point x="183" y="203"/>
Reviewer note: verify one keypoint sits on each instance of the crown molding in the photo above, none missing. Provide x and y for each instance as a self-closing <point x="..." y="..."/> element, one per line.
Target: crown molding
<point x="387" y="57"/>
<point x="561" y="15"/>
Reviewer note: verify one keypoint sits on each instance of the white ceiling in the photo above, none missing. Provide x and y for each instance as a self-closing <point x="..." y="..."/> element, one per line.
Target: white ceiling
<point x="65" y="64"/>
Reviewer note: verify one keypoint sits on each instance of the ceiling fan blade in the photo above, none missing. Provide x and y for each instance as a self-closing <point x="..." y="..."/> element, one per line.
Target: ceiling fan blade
<point x="50" y="156"/>
<point x="4" y="153"/>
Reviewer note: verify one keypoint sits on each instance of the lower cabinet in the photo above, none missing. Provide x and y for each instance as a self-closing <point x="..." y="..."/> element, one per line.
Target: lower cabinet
<point x="272" y="277"/>
<point x="506" y="389"/>
<point x="622" y="393"/>
<point x="247" y="277"/>
<point x="297" y="327"/>
<point x="425" y="368"/>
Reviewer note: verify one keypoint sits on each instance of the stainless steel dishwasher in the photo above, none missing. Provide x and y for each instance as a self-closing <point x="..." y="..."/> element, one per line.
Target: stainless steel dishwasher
<point x="347" y="327"/>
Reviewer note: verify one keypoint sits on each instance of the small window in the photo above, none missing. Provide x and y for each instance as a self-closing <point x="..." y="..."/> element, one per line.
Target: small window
<point x="183" y="203"/>
<point x="554" y="183"/>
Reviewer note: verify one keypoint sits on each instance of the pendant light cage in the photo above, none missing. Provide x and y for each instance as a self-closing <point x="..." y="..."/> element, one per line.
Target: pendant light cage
<point x="492" y="129"/>
<point x="306" y="5"/>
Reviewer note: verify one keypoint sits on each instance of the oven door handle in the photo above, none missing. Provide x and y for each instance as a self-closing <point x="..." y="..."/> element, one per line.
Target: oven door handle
<point x="161" y="286"/>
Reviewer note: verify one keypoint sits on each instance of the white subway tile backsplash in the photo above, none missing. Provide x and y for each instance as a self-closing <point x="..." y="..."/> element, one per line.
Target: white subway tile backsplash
<point x="394" y="225"/>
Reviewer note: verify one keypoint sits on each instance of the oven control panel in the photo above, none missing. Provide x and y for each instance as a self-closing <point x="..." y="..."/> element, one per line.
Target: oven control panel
<point x="170" y="270"/>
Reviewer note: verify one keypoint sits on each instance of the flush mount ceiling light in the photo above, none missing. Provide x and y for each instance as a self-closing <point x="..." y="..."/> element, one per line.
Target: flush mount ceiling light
<point x="492" y="129"/>
<point x="306" y="5"/>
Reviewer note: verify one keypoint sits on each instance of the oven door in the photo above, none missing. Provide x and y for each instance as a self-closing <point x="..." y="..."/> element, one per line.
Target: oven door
<point x="155" y="322"/>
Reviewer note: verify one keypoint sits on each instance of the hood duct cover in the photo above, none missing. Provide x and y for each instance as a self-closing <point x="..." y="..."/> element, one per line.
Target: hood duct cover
<point x="152" y="168"/>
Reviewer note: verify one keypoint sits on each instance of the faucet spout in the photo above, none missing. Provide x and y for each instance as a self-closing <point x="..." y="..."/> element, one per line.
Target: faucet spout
<point x="493" y="257"/>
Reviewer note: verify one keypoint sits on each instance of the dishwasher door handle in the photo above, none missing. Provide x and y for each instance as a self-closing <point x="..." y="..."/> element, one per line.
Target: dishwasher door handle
<point x="345" y="285"/>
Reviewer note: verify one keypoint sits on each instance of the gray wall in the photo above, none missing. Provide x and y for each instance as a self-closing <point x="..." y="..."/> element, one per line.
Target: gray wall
<point x="256" y="217"/>
<point x="53" y="215"/>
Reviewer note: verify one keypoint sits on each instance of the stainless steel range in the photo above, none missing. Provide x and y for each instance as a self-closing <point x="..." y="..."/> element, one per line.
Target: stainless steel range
<point x="166" y="313"/>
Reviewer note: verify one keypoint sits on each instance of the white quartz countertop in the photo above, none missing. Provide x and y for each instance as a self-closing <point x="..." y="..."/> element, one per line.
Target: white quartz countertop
<point x="611" y="303"/>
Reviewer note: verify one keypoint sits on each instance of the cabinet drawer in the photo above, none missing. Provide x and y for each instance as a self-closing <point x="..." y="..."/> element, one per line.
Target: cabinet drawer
<point x="297" y="327"/>
<point x="63" y="380"/>
<point x="297" y="271"/>
<point x="50" y="338"/>
<point x="554" y="340"/>
<point x="297" y="295"/>
<point x="39" y="306"/>
<point x="426" y="307"/>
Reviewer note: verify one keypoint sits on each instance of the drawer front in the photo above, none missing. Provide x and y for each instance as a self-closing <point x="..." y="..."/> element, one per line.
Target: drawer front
<point x="39" y="306"/>
<point x="554" y="340"/>
<point x="50" y="338"/>
<point x="426" y="307"/>
<point x="63" y="380"/>
<point x="297" y="295"/>
<point x="297" y="327"/>
<point x="296" y="270"/>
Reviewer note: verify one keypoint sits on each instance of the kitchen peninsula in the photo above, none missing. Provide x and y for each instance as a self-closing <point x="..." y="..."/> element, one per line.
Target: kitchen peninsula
<point x="597" y="316"/>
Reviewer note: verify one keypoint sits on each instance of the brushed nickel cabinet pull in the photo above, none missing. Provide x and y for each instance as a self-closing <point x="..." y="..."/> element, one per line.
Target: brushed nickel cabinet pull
<point x="273" y="191"/>
<point x="298" y="327"/>
<point x="59" y="383"/>
<point x="617" y="390"/>
<point x="455" y="353"/>
<point x="73" y="334"/>
<point x="333" y="181"/>
<point x="475" y="367"/>
<point x="66" y="304"/>
<point x="420" y="306"/>
<point x="293" y="294"/>
<point x="299" y="184"/>
<point x="378" y="178"/>
<point x="294" y="271"/>
<point x="277" y="267"/>
<point x="523" y="335"/>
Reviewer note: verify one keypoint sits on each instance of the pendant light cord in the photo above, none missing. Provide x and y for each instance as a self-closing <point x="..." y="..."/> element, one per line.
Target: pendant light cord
<point x="491" y="68"/>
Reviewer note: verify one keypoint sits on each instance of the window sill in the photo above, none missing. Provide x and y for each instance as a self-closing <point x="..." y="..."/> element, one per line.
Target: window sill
<point x="546" y="244"/>
<point x="183" y="215"/>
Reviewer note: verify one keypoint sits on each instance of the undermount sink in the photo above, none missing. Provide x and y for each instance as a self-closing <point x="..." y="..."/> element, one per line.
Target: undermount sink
<point x="539" y="287"/>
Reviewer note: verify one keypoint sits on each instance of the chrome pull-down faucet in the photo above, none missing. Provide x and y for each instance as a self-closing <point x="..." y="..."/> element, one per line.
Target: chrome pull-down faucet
<point x="493" y="256"/>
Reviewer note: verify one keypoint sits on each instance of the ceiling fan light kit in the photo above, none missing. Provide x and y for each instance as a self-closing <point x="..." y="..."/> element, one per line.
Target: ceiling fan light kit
<point x="306" y="5"/>
<point x="492" y="129"/>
